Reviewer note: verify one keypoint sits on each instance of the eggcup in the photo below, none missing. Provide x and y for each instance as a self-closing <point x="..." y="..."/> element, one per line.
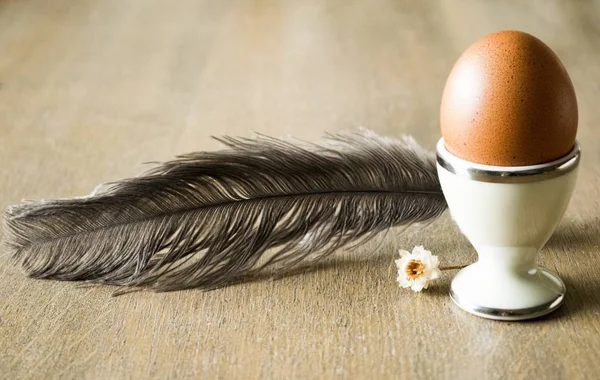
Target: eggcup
<point x="508" y="213"/>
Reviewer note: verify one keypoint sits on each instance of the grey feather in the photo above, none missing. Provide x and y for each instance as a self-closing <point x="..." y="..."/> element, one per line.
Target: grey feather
<point x="208" y="219"/>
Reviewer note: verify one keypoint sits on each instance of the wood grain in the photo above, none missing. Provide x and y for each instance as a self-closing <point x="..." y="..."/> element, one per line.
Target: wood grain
<point x="90" y="89"/>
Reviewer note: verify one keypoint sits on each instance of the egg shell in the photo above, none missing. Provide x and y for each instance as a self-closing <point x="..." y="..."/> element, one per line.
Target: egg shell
<point x="509" y="102"/>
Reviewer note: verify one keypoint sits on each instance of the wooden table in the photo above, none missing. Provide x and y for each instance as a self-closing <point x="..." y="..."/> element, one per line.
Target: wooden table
<point x="91" y="89"/>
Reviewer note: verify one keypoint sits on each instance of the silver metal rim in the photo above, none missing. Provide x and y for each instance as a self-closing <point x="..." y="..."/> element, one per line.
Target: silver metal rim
<point x="507" y="174"/>
<point x="515" y="314"/>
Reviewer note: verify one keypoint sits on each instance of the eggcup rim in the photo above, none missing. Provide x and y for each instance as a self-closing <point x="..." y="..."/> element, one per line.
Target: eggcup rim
<point x="507" y="174"/>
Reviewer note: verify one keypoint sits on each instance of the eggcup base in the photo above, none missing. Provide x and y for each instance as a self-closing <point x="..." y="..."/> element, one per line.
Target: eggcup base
<point x="503" y="314"/>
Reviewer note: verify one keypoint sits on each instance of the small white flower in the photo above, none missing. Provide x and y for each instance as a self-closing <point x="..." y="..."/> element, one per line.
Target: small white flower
<point x="416" y="269"/>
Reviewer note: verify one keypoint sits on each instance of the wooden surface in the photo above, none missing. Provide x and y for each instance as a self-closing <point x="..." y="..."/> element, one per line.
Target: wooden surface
<point x="91" y="89"/>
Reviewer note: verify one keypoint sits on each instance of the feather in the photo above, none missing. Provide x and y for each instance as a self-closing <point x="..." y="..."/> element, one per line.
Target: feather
<point x="208" y="219"/>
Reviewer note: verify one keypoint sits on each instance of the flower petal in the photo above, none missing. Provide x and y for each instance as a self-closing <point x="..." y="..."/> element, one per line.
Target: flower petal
<point x="419" y="284"/>
<point x="403" y="253"/>
<point x="435" y="273"/>
<point x="403" y="281"/>
<point x="419" y="250"/>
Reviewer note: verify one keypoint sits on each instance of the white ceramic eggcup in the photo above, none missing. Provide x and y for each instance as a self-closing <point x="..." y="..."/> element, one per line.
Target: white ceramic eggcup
<point x="508" y="214"/>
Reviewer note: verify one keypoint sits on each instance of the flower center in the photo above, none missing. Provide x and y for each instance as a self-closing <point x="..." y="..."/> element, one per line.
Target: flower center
<point x="414" y="269"/>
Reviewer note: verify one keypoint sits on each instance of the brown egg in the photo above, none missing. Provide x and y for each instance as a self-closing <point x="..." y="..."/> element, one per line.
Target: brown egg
<point x="509" y="102"/>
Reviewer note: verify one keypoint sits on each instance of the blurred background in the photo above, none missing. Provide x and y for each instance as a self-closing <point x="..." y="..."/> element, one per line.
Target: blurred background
<point x="90" y="89"/>
<point x="142" y="80"/>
